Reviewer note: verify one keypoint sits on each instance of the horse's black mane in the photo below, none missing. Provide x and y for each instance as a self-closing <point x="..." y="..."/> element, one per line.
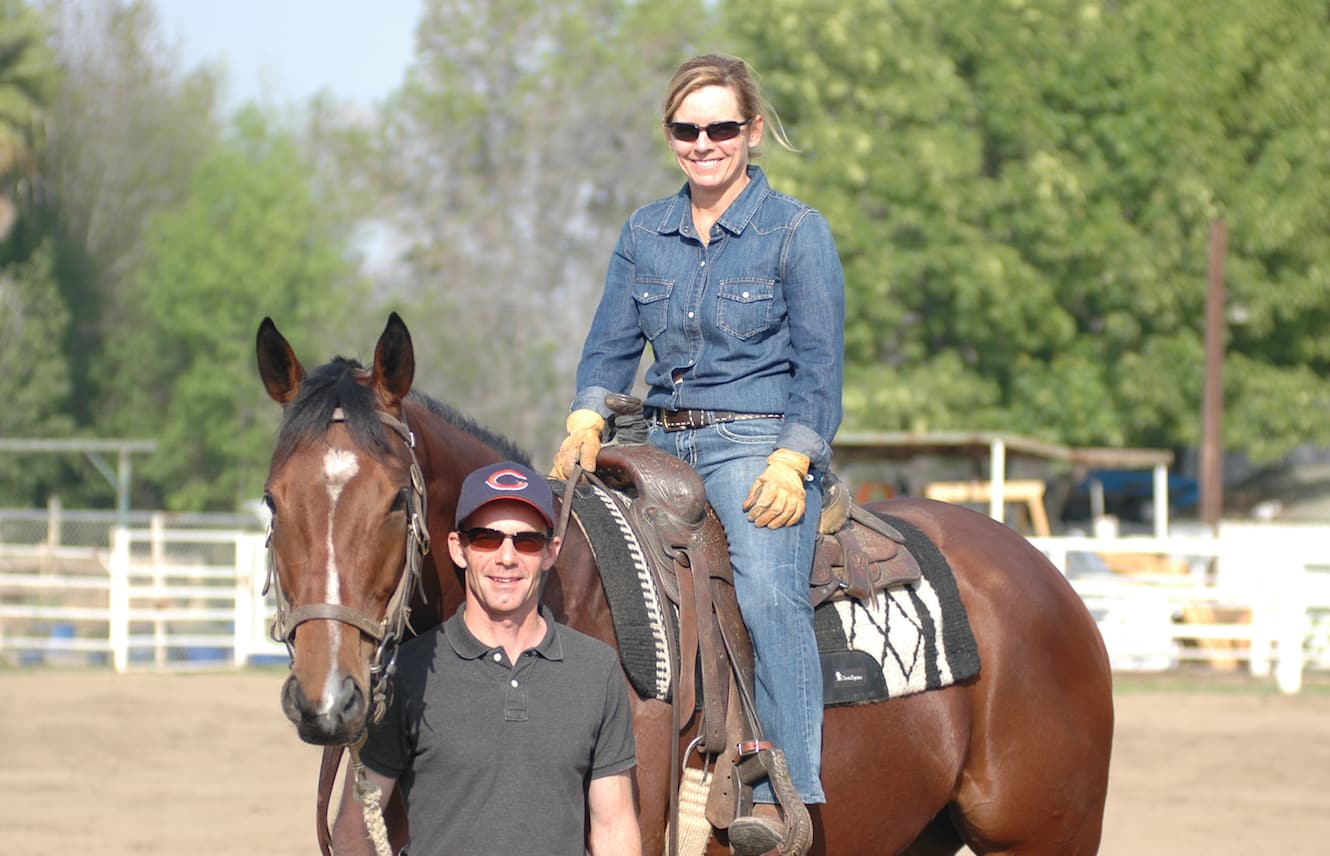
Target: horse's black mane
<point x="499" y="443"/>
<point x="334" y="385"/>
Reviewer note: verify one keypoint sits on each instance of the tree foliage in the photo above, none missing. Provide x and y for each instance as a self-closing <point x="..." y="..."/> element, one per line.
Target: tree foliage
<point x="127" y="128"/>
<point x="27" y="76"/>
<point x="33" y="370"/>
<point x="526" y="132"/>
<point x="251" y="239"/>
<point x="1022" y="193"/>
<point x="34" y="381"/>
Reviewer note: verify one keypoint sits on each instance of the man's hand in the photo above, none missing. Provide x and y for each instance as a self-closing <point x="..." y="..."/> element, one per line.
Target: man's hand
<point x="581" y="445"/>
<point x="777" y="497"/>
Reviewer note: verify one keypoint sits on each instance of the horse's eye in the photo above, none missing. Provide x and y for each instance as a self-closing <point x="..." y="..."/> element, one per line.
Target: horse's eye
<point x="269" y="504"/>
<point x="399" y="501"/>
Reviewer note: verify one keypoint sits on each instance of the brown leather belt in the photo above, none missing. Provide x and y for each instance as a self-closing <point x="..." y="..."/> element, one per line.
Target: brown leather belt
<point x="682" y="420"/>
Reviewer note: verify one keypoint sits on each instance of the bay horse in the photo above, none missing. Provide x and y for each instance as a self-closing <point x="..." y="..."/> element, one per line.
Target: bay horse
<point x="1014" y="760"/>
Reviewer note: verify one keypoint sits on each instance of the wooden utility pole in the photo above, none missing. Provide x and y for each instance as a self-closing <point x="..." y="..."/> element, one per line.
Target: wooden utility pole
<point x="1212" y="408"/>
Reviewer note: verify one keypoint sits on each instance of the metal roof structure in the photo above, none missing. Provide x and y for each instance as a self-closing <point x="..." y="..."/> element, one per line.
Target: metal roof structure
<point x="868" y="446"/>
<point x="93" y="449"/>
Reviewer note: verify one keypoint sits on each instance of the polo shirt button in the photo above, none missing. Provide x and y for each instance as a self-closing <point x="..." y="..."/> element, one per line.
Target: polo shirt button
<point x="513" y="684"/>
<point x="497" y="656"/>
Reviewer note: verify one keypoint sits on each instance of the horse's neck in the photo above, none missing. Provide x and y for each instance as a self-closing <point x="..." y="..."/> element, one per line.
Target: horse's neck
<point x="446" y="453"/>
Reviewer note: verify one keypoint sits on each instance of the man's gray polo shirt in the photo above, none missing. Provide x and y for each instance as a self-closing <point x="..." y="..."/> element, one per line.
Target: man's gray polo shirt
<point x="495" y="757"/>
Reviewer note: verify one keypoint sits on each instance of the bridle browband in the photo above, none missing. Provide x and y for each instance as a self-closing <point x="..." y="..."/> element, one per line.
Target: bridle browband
<point x="390" y="630"/>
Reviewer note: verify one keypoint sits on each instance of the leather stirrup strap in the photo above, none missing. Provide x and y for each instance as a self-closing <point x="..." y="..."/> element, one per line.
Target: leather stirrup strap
<point x="332" y="760"/>
<point x="741" y="663"/>
<point x="685" y="695"/>
<point x="712" y="651"/>
<point x="798" y="826"/>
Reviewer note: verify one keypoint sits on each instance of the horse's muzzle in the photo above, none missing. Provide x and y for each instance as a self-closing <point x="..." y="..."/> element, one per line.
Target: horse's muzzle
<point x="335" y="718"/>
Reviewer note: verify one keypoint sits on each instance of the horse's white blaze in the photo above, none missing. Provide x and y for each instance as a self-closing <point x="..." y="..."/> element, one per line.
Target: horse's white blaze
<point x="339" y="467"/>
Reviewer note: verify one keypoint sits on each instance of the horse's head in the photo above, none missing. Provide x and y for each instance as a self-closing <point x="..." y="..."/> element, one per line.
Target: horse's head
<point x="346" y="497"/>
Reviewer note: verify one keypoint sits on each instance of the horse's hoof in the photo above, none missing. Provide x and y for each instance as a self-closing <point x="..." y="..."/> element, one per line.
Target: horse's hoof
<point x="753" y="836"/>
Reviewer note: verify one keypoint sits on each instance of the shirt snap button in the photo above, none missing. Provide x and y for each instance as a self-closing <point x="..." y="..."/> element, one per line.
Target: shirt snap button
<point x="514" y="684"/>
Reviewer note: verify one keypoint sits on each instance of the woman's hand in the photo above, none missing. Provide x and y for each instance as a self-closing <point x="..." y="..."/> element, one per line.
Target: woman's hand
<point x="777" y="497"/>
<point x="581" y="445"/>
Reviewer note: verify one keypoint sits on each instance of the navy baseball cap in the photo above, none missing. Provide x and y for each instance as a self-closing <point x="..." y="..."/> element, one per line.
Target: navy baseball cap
<point x="505" y="480"/>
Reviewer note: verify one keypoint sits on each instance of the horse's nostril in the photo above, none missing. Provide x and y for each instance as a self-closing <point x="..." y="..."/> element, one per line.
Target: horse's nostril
<point x="292" y="697"/>
<point x="352" y="699"/>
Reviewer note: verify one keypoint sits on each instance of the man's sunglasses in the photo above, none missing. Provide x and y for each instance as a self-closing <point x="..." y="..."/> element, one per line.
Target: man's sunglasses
<point x="717" y="132"/>
<point x="488" y="540"/>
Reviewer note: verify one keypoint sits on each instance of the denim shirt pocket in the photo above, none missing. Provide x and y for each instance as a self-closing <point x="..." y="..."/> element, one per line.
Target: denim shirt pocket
<point x="745" y="306"/>
<point x="652" y="297"/>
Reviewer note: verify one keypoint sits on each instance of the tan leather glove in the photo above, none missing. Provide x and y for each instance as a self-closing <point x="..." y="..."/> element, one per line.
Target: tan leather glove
<point x="581" y="444"/>
<point x="777" y="497"/>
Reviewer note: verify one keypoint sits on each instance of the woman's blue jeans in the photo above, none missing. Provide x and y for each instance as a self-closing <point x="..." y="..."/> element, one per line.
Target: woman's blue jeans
<point x="771" y="568"/>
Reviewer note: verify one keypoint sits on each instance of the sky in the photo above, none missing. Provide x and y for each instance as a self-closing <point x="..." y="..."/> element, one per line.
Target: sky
<point x="287" y="50"/>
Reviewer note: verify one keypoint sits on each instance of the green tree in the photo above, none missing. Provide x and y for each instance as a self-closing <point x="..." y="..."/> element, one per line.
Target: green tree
<point x="27" y="76"/>
<point x="33" y="317"/>
<point x="126" y="130"/>
<point x="1022" y="194"/>
<point x="34" y="382"/>
<point x="252" y="239"/>
<point x="525" y="133"/>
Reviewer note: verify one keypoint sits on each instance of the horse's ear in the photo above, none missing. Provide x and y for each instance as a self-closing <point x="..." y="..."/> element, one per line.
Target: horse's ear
<point x="282" y="373"/>
<point x="394" y="361"/>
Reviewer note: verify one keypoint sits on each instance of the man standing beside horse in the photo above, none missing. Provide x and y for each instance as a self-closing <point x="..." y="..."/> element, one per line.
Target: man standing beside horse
<point x="507" y="731"/>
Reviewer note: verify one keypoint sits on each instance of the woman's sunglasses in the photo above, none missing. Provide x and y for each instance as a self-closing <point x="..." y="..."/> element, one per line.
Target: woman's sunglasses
<point x="717" y="132"/>
<point x="488" y="540"/>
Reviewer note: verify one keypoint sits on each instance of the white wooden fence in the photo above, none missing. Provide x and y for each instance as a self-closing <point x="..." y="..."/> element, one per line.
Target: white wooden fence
<point x="160" y="599"/>
<point x="169" y="598"/>
<point x="1258" y="594"/>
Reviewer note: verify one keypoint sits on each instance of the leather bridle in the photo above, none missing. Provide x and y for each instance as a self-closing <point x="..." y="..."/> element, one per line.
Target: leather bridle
<point x="389" y="631"/>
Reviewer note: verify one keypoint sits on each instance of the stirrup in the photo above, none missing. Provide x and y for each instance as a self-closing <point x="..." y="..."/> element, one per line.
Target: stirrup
<point x="751" y="835"/>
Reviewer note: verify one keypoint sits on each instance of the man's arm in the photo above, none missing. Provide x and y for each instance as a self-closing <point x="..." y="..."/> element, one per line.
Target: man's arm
<point x="614" y="829"/>
<point x="350" y="835"/>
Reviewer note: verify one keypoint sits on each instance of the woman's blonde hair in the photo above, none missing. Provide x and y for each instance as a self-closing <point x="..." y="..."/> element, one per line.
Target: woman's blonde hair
<point x="730" y="72"/>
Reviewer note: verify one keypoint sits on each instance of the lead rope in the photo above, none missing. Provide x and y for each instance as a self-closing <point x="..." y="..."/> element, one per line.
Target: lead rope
<point x="369" y="795"/>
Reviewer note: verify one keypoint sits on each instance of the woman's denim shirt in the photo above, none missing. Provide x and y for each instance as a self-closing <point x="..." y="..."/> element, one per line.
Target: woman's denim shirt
<point x="753" y="321"/>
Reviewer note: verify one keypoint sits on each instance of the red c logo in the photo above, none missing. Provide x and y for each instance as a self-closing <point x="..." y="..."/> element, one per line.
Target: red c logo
<point x="510" y="480"/>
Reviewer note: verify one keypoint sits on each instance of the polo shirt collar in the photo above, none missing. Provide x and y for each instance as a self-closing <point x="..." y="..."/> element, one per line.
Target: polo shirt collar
<point x="468" y="647"/>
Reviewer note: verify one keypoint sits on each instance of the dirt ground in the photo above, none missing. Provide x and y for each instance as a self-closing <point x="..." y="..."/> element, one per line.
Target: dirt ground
<point x="173" y="765"/>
